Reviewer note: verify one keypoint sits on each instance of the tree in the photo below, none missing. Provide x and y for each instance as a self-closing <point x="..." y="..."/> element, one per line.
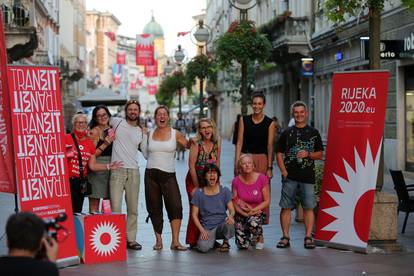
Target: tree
<point x="170" y="86"/>
<point x="243" y="44"/>
<point x="201" y="66"/>
<point x="336" y="12"/>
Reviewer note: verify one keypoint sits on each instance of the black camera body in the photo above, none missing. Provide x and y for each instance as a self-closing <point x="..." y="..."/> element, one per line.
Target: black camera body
<point x="52" y="225"/>
<point x="52" y="228"/>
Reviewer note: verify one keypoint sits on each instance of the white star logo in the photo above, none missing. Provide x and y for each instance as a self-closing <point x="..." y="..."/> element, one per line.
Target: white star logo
<point x="105" y="238"/>
<point x="354" y="201"/>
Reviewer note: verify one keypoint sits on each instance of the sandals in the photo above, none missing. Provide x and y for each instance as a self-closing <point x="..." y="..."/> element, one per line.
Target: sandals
<point x="284" y="242"/>
<point x="157" y="247"/>
<point x="309" y="243"/>
<point x="134" y="245"/>
<point x="225" y="247"/>
<point x="178" y="247"/>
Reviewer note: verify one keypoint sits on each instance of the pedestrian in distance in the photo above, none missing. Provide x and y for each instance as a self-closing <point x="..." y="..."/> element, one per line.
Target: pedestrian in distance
<point x="125" y="149"/>
<point x="102" y="136"/>
<point x="180" y="125"/>
<point x="159" y="148"/>
<point x="80" y="147"/>
<point x="250" y="197"/>
<point x="299" y="146"/>
<point x="26" y="237"/>
<point x="213" y="211"/>
<point x="205" y="149"/>
<point x="255" y="136"/>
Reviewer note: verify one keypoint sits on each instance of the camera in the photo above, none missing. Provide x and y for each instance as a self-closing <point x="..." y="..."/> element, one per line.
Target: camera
<point x="52" y="225"/>
<point x="52" y="229"/>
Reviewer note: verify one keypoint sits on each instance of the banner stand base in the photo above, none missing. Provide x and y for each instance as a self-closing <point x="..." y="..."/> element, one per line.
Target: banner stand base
<point x="341" y="246"/>
<point x="70" y="261"/>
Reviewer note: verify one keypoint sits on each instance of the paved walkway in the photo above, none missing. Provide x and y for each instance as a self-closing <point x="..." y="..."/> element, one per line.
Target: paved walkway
<point x="270" y="261"/>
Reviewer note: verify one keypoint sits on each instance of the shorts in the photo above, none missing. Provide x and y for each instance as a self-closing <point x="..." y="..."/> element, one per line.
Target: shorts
<point x="291" y="189"/>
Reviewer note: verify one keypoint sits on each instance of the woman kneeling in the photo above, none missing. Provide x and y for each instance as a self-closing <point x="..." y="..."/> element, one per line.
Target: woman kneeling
<point x="250" y="197"/>
<point x="209" y="211"/>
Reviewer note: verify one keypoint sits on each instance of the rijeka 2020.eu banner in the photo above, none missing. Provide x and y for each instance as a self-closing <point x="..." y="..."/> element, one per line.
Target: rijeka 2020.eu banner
<point x="38" y="138"/>
<point x="352" y="158"/>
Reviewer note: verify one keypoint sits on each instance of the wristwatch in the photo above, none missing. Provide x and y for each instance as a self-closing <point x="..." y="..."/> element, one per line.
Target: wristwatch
<point x="270" y="167"/>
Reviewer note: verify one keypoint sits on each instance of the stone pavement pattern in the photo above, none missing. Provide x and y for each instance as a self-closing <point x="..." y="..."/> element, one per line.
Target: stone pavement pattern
<point x="270" y="261"/>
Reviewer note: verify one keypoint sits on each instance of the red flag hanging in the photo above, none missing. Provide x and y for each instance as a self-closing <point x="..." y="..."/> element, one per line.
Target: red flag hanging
<point x="110" y="35"/>
<point x="152" y="89"/>
<point x="145" y="49"/>
<point x="133" y="86"/>
<point x="117" y="79"/>
<point x="121" y="57"/>
<point x="151" y="70"/>
<point x="7" y="169"/>
<point x="182" y="33"/>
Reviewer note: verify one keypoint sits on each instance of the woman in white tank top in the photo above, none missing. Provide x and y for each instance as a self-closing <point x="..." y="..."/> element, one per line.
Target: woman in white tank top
<point x="159" y="147"/>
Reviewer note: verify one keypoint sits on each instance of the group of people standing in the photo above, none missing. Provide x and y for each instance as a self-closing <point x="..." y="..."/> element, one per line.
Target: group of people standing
<point x="110" y="150"/>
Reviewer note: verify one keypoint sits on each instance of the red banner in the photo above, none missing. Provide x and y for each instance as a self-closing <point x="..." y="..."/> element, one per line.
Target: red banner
<point x="151" y="70"/>
<point x="7" y="171"/>
<point x="152" y="89"/>
<point x="121" y="57"/>
<point x="145" y="49"/>
<point x="38" y="138"/>
<point x="352" y="158"/>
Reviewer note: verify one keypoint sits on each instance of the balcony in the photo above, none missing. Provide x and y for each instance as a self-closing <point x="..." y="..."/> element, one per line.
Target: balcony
<point x="21" y="38"/>
<point x="289" y="37"/>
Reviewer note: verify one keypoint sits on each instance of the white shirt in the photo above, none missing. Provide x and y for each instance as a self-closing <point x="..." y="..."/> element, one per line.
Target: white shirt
<point x="161" y="154"/>
<point x="125" y="146"/>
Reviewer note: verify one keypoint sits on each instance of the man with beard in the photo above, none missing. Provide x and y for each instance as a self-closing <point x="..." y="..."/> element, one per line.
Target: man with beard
<point x="125" y="148"/>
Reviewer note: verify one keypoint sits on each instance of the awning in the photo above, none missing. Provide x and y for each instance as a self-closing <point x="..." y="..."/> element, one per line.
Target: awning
<point x="102" y="95"/>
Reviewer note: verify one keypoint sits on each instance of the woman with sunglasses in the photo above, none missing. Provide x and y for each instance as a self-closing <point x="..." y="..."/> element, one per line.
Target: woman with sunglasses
<point x="102" y="136"/>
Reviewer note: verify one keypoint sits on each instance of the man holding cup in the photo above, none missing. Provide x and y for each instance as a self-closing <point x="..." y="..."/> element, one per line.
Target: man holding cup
<point x="299" y="146"/>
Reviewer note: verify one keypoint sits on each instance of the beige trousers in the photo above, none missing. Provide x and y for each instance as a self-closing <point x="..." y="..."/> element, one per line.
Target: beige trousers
<point x="128" y="180"/>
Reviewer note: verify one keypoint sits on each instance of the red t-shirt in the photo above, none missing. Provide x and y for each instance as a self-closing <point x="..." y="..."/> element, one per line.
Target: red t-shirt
<point x="86" y="148"/>
<point x="251" y="194"/>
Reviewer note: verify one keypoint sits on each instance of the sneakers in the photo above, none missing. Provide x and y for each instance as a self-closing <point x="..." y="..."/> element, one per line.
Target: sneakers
<point x="260" y="246"/>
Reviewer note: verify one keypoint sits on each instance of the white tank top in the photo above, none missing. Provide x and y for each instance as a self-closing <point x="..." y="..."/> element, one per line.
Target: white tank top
<point x="161" y="154"/>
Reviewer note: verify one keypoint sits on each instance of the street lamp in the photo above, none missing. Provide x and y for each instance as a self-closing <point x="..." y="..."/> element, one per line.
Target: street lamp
<point x="179" y="56"/>
<point x="168" y="68"/>
<point x="203" y="37"/>
<point x="243" y="6"/>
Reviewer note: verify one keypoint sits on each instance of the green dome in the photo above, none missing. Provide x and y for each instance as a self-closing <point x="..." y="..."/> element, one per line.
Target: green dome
<point x="154" y="28"/>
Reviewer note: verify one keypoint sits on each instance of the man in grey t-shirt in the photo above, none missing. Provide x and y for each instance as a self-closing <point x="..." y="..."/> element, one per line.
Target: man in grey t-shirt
<point x="125" y="148"/>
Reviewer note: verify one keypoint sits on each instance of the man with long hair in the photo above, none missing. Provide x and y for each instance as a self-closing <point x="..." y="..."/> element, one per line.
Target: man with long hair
<point x="125" y="148"/>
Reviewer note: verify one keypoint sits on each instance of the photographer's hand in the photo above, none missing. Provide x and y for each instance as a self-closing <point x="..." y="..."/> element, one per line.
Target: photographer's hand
<point x="51" y="247"/>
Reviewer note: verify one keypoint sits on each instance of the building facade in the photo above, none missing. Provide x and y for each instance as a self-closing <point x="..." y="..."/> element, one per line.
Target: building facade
<point x="72" y="48"/>
<point x="32" y="31"/>
<point x="101" y="47"/>
<point x="330" y="43"/>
